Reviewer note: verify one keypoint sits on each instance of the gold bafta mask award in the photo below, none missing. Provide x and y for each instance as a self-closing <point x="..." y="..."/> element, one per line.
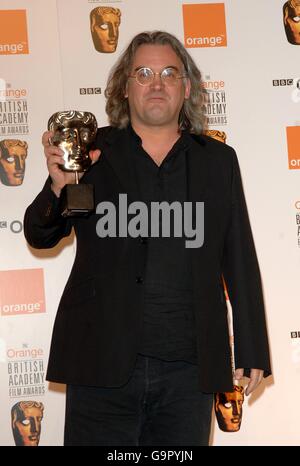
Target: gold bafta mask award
<point x="74" y="132"/>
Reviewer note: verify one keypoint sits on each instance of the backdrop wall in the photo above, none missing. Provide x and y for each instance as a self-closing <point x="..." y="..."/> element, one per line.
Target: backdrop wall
<point x="250" y="66"/>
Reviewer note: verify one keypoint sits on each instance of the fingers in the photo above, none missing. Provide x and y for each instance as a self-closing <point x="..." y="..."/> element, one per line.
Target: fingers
<point x="54" y="160"/>
<point x="94" y="155"/>
<point x="239" y="374"/>
<point x="256" y="376"/>
<point x="45" y="138"/>
<point x="53" y="153"/>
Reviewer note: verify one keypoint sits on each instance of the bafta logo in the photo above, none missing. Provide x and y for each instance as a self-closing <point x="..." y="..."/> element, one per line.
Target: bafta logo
<point x="229" y="409"/>
<point x="291" y="19"/>
<point x="105" y="22"/>
<point x="26" y="419"/>
<point x="13" y="153"/>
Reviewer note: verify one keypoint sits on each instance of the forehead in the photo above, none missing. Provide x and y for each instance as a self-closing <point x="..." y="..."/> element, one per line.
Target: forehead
<point x="233" y="396"/>
<point x="294" y="7"/>
<point x="73" y="123"/>
<point x="156" y="56"/>
<point x="107" y="17"/>
<point x="32" y="412"/>
<point x="16" y="149"/>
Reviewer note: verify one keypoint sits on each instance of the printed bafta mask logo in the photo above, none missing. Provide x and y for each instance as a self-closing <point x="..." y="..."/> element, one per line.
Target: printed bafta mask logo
<point x="229" y="410"/>
<point x="13" y="153"/>
<point x="105" y="22"/>
<point x="26" y="419"/>
<point x="291" y="19"/>
<point x="215" y="134"/>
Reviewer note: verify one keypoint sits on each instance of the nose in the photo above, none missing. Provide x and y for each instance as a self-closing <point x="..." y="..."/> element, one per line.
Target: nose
<point x="112" y="31"/>
<point x="75" y="136"/>
<point x="33" y="426"/>
<point x="157" y="82"/>
<point x="235" y="409"/>
<point x="18" y="165"/>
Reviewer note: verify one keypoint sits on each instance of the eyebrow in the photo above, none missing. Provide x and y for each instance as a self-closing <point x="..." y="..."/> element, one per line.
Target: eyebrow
<point x="165" y="67"/>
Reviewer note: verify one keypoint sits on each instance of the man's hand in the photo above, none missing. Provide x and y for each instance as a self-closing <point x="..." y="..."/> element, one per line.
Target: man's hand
<point x="256" y="376"/>
<point x="54" y="156"/>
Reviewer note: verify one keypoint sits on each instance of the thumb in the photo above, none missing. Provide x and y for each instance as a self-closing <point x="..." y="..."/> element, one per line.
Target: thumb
<point x="94" y="155"/>
<point x="239" y="373"/>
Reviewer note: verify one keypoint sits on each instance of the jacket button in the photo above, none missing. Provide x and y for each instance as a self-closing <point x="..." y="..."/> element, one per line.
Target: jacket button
<point x="139" y="279"/>
<point x="143" y="240"/>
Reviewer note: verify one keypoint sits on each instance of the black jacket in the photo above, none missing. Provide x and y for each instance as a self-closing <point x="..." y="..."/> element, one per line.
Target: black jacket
<point x="98" y="324"/>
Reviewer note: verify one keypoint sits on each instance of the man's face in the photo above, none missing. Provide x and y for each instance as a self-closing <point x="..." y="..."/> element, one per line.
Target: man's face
<point x="105" y="32"/>
<point x="12" y="164"/>
<point x="292" y="21"/>
<point x="229" y="410"/>
<point x="157" y="104"/>
<point x="28" y="428"/>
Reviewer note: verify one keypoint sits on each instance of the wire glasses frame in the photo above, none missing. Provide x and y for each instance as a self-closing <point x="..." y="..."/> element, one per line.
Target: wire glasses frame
<point x="145" y="76"/>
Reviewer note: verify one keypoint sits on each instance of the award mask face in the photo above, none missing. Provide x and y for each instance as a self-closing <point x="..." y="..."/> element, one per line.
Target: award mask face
<point x="74" y="132"/>
<point x="26" y="417"/>
<point x="228" y="409"/>
<point x="13" y="153"/>
<point x="291" y="18"/>
<point x="105" y="22"/>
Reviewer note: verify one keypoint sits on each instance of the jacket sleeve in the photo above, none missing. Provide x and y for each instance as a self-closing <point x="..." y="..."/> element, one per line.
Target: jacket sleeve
<point x="242" y="277"/>
<point x="44" y="225"/>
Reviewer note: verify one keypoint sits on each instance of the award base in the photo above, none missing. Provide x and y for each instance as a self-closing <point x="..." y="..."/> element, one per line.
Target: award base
<point x="78" y="200"/>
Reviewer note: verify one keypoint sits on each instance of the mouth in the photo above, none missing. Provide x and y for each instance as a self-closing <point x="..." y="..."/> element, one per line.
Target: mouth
<point x="111" y="42"/>
<point x="235" y="420"/>
<point x="19" y="175"/>
<point x="156" y="99"/>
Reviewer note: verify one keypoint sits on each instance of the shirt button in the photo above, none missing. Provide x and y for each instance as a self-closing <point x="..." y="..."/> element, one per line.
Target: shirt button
<point x="139" y="279"/>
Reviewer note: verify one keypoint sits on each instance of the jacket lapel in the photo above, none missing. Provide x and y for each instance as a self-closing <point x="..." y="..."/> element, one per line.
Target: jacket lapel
<point x="118" y="150"/>
<point x="198" y="170"/>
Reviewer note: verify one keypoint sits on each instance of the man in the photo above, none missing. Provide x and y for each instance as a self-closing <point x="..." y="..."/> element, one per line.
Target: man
<point x="13" y="153"/>
<point x="291" y="15"/>
<point x="105" y="22"/>
<point x="26" y="419"/>
<point x="141" y="335"/>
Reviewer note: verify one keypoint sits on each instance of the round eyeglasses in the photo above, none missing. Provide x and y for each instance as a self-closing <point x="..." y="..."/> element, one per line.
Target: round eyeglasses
<point x="145" y="76"/>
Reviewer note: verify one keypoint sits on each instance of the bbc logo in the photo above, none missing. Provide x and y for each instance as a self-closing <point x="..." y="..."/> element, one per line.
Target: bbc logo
<point x="295" y="334"/>
<point x="283" y="82"/>
<point x="90" y="90"/>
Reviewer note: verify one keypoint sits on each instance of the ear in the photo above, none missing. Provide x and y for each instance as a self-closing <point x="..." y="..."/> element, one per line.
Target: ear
<point x="126" y="91"/>
<point x="187" y="89"/>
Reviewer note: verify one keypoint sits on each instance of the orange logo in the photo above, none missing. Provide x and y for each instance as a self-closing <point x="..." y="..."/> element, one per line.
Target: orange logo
<point x="293" y="138"/>
<point x="13" y="32"/>
<point x="204" y="25"/>
<point x="22" y="292"/>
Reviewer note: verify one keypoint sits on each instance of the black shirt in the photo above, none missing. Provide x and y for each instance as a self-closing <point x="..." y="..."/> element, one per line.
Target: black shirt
<point x="168" y="319"/>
